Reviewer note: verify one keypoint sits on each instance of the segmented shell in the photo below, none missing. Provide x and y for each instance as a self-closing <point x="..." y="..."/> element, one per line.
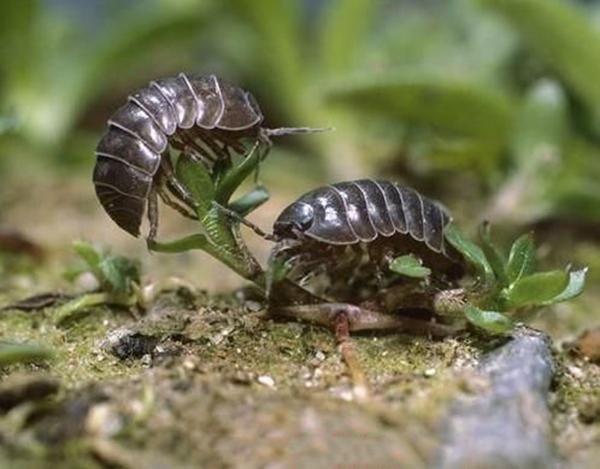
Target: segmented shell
<point x="363" y="210"/>
<point x="129" y="154"/>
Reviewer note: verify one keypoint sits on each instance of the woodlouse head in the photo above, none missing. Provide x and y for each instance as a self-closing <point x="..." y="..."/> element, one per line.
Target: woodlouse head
<point x="294" y="220"/>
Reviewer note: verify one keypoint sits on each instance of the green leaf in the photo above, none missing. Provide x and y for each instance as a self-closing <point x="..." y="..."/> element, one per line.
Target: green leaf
<point x="197" y="180"/>
<point x="574" y="287"/>
<point x="78" y="306"/>
<point x="235" y="176"/>
<point x="251" y="201"/>
<point x="90" y="255"/>
<point x="280" y="50"/>
<point x="561" y="35"/>
<point x="493" y="254"/>
<point x="195" y="241"/>
<point x="409" y="266"/>
<point x="536" y="289"/>
<point x="19" y="20"/>
<point x="521" y="260"/>
<point x="72" y="273"/>
<point x="490" y="321"/>
<point x="11" y="353"/>
<point x="344" y="29"/>
<point x="115" y="273"/>
<point x="55" y="67"/>
<point x="471" y="252"/>
<point x="541" y="124"/>
<point x="461" y="108"/>
<point x="277" y="270"/>
<point x="119" y="273"/>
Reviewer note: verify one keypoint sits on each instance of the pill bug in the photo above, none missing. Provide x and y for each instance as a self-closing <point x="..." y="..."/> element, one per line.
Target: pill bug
<point x="204" y="116"/>
<point x="350" y="230"/>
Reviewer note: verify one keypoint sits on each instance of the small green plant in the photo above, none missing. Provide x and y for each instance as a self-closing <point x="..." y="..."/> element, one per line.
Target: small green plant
<point x="118" y="280"/>
<point x="508" y="288"/>
<point x="12" y="353"/>
<point x="409" y="266"/>
<point x="211" y="192"/>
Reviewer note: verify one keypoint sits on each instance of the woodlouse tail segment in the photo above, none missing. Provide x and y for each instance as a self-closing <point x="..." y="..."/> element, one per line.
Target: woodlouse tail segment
<point x="280" y="131"/>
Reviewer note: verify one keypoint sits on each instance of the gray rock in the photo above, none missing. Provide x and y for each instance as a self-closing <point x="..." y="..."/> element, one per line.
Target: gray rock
<point x="504" y="423"/>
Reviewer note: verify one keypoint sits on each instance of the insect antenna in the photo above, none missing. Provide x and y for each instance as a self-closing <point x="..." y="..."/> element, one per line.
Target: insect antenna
<point x="279" y="131"/>
<point x="237" y="217"/>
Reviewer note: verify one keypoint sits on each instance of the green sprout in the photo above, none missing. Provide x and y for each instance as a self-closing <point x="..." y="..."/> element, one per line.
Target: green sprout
<point x="118" y="280"/>
<point x="409" y="266"/>
<point x="12" y="353"/>
<point x="211" y="192"/>
<point x="508" y="288"/>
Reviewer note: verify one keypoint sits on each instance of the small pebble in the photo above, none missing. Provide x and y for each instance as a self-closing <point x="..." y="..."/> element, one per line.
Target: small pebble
<point x="189" y="364"/>
<point x="253" y="306"/>
<point x="429" y="372"/>
<point x="266" y="380"/>
<point x="576" y="372"/>
<point x="87" y="282"/>
<point x="146" y="360"/>
<point x="346" y="395"/>
<point x="102" y="420"/>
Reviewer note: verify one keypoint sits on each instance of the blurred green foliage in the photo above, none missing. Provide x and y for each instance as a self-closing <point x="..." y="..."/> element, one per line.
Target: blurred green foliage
<point x="500" y="94"/>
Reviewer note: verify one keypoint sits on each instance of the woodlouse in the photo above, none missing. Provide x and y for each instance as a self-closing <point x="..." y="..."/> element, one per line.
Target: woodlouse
<point x="350" y="230"/>
<point x="204" y="116"/>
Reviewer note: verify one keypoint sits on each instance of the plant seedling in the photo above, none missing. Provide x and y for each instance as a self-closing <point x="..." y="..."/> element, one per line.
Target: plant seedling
<point x="118" y="278"/>
<point x="508" y="287"/>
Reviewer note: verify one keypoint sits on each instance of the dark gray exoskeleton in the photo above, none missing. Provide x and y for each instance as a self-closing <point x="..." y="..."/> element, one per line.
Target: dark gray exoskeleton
<point x="361" y="211"/>
<point x="350" y="230"/>
<point x="202" y="115"/>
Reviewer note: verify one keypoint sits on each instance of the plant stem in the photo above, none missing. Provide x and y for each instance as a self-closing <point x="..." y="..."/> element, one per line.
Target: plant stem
<point x="23" y="353"/>
<point x="76" y="305"/>
<point x="228" y="251"/>
<point x="286" y="292"/>
<point x="236" y="176"/>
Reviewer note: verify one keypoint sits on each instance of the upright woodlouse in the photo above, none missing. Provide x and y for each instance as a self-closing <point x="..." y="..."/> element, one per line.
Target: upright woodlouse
<point x="204" y="116"/>
<point x="351" y="230"/>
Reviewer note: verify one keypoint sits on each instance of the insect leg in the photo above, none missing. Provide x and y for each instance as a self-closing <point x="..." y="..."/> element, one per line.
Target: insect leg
<point x="152" y="215"/>
<point x="171" y="203"/>
<point x="219" y="152"/>
<point x="195" y="151"/>
<point x="237" y="217"/>
<point x="263" y="145"/>
<point x="176" y="187"/>
<point x="229" y="140"/>
<point x="362" y="318"/>
<point x="348" y="351"/>
<point x="406" y="295"/>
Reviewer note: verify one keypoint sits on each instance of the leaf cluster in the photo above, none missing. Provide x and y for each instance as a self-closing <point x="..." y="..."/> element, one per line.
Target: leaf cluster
<point x="508" y="284"/>
<point x="118" y="280"/>
<point x="117" y="275"/>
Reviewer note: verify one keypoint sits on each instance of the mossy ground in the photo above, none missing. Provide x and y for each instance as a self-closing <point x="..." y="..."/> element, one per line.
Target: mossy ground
<point x="224" y="385"/>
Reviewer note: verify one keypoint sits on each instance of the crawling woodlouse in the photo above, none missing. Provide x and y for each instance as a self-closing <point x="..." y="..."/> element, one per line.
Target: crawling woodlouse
<point x="349" y="232"/>
<point x="204" y="116"/>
